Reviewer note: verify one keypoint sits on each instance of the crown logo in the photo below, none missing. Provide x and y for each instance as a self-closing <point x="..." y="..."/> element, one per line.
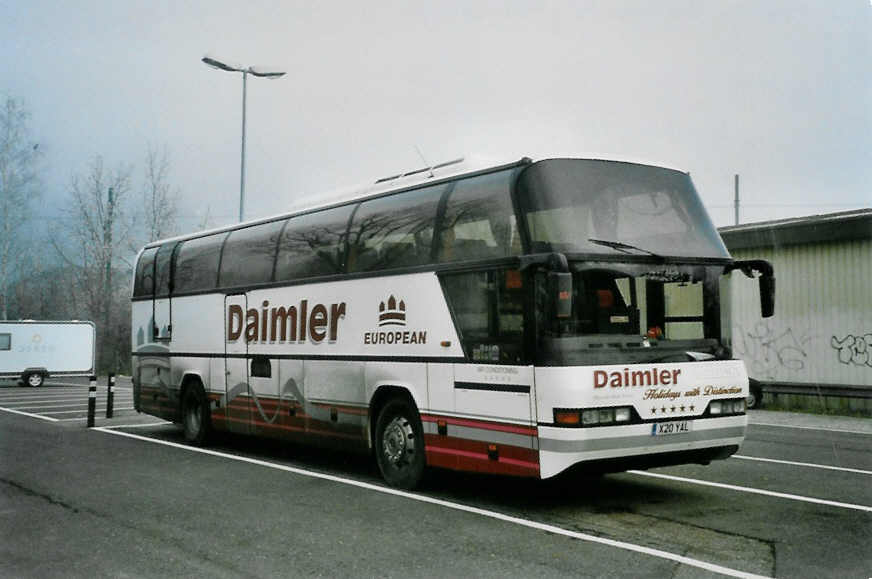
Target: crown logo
<point x="393" y="314"/>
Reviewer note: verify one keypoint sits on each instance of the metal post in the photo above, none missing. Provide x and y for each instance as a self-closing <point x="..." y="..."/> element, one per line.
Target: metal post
<point x="110" y="395"/>
<point x="242" y="170"/>
<point x="92" y="400"/>
<point x="737" y="199"/>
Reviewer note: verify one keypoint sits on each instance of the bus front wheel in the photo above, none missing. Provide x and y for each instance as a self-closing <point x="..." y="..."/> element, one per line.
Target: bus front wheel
<point x="196" y="415"/>
<point x="399" y="444"/>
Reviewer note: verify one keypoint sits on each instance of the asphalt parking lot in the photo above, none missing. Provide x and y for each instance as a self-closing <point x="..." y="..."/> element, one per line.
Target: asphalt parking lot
<point x="129" y="498"/>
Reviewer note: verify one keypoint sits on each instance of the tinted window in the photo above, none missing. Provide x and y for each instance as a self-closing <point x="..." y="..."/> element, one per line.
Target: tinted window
<point x="393" y="231"/>
<point x="197" y="264"/>
<point x="162" y="270"/>
<point x="489" y="309"/>
<point x="249" y="255"/>
<point x="5" y="341"/>
<point x="313" y="244"/>
<point x="584" y="206"/>
<point x="479" y="222"/>
<point x="144" y="285"/>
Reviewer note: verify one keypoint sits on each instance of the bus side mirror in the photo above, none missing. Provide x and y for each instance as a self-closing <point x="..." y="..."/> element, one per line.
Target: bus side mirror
<point x="560" y="286"/>
<point x="766" y="281"/>
<point x="767" y="295"/>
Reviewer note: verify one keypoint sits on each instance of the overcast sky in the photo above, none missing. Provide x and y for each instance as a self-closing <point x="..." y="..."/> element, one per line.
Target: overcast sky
<point x="779" y="92"/>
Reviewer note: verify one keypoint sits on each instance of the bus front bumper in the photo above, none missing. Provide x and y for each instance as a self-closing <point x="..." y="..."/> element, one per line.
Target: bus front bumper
<point x="616" y="448"/>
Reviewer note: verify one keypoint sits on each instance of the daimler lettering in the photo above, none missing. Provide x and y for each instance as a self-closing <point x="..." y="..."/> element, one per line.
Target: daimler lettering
<point x="285" y="324"/>
<point x="627" y="377"/>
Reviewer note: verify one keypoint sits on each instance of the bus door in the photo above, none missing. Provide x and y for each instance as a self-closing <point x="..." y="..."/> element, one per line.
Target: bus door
<point x="498" y="391"/>
<point x="495" y="387"/>
<point x="237" y="405"/>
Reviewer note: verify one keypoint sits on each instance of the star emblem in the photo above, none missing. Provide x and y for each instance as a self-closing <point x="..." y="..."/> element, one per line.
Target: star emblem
<point x="663" y="409"/>
<point x="682" y="408"/>
<point x="653" y="411"/>
<point x="672" y="409"/>
<point x="691" y="407"/>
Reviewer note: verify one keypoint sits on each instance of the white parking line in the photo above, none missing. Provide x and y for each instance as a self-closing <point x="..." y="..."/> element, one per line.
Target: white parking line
<point x="41" y="417"/>
<point x="450" y="505"/>
<point x="808" y="428"/>
<point x="39" y="397"/>
<point x="806" y="464"/>
<point x="74" y="401"/>
<point x="753" y="491"/>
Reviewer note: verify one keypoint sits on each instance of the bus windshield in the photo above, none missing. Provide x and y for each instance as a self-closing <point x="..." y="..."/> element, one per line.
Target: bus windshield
<point x="614" y="208"/>
<point x="632" y="313"/>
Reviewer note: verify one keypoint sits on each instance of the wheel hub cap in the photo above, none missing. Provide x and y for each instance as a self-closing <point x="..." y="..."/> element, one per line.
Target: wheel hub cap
<point x="398" y="440"/>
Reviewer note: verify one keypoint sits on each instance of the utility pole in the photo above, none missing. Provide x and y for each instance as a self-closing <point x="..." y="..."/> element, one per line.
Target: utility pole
<point x="107" y="278"/>
<point x="737" y="199"/>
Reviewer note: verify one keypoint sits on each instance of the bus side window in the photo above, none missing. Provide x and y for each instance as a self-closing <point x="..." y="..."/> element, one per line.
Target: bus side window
<point x="313" y="244"/>
<point x="479" y="221"/>
<point x="249" y="254"/>
<point x="144" y="285"/>
<point x="197" y="264"/>
<point x="162" y="270"/>
<point x="393" y="231"/>
<point x="488" y="307"/>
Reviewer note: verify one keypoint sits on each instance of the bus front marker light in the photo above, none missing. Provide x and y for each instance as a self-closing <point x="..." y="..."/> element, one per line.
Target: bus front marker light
<point x="606" y="415"/>
<point x="590" y="417"/>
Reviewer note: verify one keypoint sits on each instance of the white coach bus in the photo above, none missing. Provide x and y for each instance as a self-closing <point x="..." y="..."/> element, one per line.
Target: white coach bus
<point x="520" y="319"/>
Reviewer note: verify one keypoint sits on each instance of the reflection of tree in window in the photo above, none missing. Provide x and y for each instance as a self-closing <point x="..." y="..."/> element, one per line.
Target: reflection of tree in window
<point x="313" y="244"/>
<point x="392" y="232"/>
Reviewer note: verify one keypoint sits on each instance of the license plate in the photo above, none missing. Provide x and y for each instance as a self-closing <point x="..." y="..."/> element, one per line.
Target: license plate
<point x="667" y="428"/>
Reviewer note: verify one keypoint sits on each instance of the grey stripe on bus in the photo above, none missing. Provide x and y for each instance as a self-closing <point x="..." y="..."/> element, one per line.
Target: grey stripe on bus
<point x="482" y="435"/>
<point x="626" y="442"/>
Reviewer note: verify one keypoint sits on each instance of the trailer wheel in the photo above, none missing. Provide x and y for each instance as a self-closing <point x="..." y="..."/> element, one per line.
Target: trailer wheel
<point x="196" y="415"/>
<point x="399" y="444"/>
<point x="34" y="379"/>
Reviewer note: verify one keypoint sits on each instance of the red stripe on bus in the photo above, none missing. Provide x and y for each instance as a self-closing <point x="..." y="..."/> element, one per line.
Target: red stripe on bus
<point x="477" y="462"/>
<point x="462" y="454"/>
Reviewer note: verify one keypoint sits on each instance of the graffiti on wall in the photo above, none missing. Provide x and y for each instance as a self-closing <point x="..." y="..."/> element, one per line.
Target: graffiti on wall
<point x="768" y="349"/>
<point x="854" y="349"/>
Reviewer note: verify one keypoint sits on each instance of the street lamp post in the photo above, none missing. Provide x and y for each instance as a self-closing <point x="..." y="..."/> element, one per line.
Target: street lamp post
<point x="245" y="72"/>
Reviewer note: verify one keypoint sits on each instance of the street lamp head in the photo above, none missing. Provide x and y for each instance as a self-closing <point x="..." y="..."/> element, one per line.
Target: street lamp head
<point x="220" y="65"/>
<point x="264" y="74"/>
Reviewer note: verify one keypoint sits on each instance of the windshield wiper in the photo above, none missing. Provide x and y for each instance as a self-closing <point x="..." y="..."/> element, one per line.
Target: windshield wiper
<point x="623" y="247"/>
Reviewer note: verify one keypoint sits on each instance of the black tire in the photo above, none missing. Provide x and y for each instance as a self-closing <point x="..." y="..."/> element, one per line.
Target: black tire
<point x="34" y="379"/>
<point x="755" y="395"/>
<point x="196" y="415"/>
<point x="399" y="444"/>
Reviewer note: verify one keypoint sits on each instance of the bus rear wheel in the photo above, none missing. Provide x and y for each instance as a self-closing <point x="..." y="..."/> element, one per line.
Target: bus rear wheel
<point x="196" y="415"/>
<point x="399" y="444"/>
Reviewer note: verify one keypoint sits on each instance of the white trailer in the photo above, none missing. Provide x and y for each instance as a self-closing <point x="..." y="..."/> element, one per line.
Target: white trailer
<point x="33" y="350"/>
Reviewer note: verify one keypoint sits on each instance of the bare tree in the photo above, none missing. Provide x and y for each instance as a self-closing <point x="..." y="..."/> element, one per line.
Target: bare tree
<point x="19" y="188"/>
<point x="159" y="198"/>
<point x="97" y="230"/>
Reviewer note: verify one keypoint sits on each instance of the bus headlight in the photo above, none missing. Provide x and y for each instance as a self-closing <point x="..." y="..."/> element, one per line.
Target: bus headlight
<point x="622" y="414"/>
<point x="589" y="417"/>
<point x="726" y="407"/>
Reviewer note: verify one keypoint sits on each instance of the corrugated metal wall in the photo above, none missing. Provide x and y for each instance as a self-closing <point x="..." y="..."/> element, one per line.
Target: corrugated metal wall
<point x="822" y="329"/>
